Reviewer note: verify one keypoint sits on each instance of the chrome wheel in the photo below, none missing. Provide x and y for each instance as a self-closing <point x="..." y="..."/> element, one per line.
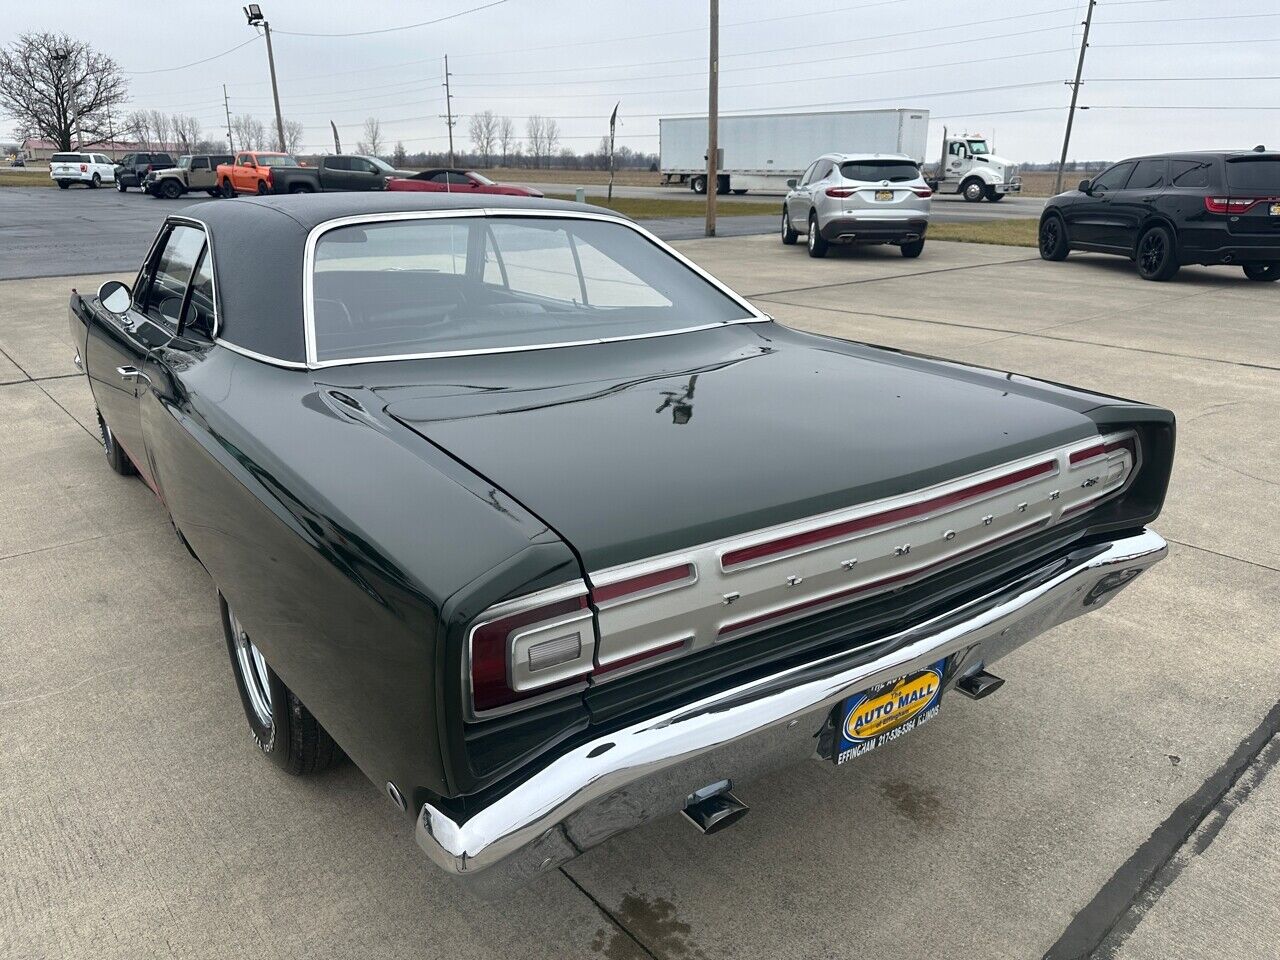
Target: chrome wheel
<point x="253" y="668"/>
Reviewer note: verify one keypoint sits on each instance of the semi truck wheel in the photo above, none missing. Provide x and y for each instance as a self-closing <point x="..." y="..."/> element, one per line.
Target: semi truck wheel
<point x="993" y="195"/>
<point x="698" y="184"/>
<point x="973" y="190"/>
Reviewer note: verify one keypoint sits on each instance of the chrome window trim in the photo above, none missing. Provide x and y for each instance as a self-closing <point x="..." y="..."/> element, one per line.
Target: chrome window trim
<point x="213" y="263"/>
<point x="261" y="357"/>
<point x="308" y="292"/>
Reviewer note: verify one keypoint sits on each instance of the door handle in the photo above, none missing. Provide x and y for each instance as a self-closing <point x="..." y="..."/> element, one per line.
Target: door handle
<point x="132" y="373"/>
<point x="1150" y="199"/>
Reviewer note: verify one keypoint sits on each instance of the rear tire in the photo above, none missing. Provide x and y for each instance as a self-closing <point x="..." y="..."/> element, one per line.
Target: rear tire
<point x="117" y="459"/>
<point x="1053" y="238"/>
<point x="789" y="235"/>
<point x="215" y="192"/>
<point x="1157" y="257"/>
<point x="228" y="190"/>
<point x="121" y="187"/>
<point x="818" y="245"/>
<point x="739" y="193"/>
<point x="1263" y="272"/>
<point x="263" y="189"/>
<point x="698" y="184"/>
<point x="973" y="190"/>
<point x="301" y="188"/>
<point x="281" y="725"/>
<point x="912" y="248"/>
<point x="63" y="185"/>
<point x="95" y="183"/>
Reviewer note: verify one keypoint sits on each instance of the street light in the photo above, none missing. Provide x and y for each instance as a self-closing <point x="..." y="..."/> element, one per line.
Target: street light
<point x="253" y="13"/>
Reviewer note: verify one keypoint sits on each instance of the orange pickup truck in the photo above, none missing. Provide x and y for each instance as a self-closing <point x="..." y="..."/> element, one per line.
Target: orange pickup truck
<point x="252" y="172"/>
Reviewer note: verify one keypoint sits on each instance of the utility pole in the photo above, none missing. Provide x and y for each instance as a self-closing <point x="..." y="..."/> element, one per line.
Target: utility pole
<point x="226" y="105"/>
<point x="448" y="107"/>
<point x="1075" y="93"/>
<point x="253" y="13"/>
<point x="713" y="107"/>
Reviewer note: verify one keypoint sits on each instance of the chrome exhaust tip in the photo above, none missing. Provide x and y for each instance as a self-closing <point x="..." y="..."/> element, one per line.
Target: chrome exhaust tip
<point x="714" y="808"/>
<point x="979" y="684"/>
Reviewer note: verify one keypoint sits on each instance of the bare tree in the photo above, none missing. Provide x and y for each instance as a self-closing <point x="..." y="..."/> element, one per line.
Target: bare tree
<point x="161" y="127"/>
<point x="398" y="155"/>
<point x="506" y="136"/>
<point x="535" y="133"/>
<point x="59" y="88"/>
<point x="483" y="128"/>
<point x="138" y="125"/>
<point x="249" y="131"/>
<point x="186" y="132"/>
<point x="550" y="138"/>
<point x="372" y="143"/>
<point x="292" y="136"/>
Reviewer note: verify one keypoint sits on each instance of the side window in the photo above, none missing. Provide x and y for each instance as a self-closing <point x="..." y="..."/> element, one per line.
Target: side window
<point x="457" y="179"/>
<point x="1114" y="178"/>
<point x="808" y="174"/>
<point x="1147" y="175"/>
<point x="126" y="160"/>
<point x="245" y="160"/>
<point x="1189" y="173"/>
<point x="441" y="177"/>
<point x="610" y="284"/>
<point x="177" y="261"/>
<point x="822" y="170"/>
<point x="337" y="163"/>
<point x="956" y="149"/>
<point x="200" y="163"/>
<point x="200" y="309"/>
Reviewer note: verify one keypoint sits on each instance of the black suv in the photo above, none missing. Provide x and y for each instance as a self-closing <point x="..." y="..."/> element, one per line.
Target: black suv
<point x="133" y="167"/>
<point x="1161" y="212"/>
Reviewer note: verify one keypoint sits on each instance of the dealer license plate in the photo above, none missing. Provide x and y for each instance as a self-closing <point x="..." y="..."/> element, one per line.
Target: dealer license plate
<point x="1275" y="209"/>
<point x="887" y="711"/>
<point x="884" y="194"/>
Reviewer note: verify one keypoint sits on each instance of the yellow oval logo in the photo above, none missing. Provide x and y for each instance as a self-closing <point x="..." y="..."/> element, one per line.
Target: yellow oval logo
<point x="893" y="707"/>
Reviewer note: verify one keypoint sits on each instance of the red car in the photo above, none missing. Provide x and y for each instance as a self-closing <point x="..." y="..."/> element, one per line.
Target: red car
<point x="458" y="181"/>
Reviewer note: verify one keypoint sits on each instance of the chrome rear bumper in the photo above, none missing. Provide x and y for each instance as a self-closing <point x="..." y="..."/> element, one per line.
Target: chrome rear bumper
<point x="620" y="780"/>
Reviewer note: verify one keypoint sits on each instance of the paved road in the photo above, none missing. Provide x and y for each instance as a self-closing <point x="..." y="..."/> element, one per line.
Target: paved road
<point x="47" y="233"/>
<point x="1117" y="798"/>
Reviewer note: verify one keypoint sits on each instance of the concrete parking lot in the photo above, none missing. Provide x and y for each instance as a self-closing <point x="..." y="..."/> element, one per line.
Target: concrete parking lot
<point x="1117" y="798"/>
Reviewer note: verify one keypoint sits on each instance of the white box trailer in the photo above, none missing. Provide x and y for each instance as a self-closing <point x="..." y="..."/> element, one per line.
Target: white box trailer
<point x="762" y="151"/>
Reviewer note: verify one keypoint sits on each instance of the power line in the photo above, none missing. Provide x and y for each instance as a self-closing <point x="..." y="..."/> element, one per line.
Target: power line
<point x="403" y="26"/>
<point x="194" y="63"/>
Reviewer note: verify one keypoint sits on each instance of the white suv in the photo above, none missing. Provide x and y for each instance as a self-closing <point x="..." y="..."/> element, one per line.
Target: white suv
<point x="858" y="198"/>
<point x="92" y="169"/>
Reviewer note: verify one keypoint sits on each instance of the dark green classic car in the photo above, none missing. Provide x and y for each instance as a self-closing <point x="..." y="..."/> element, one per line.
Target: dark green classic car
<point x="552" y="533"/>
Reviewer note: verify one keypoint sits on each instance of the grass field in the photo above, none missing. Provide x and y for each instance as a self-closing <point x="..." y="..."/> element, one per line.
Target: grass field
<point x="1012" y="233"/>
<point x="639" y="208"/>
<point x="25" y="178"/>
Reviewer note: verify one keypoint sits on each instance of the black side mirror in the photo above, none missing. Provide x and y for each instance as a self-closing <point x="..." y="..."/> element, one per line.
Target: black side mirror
<point x="115" y="297"/>
<point x="792" y="183"/>
<point x="1086" y="186"/>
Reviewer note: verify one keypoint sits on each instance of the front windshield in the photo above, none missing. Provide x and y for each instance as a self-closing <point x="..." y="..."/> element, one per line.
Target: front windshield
<point x="978" y="147"/>
<point x="443" y="284"/>
<point x="382" y="165"/>
<point x="479" y="177"/>
<point x="276" y="160"/>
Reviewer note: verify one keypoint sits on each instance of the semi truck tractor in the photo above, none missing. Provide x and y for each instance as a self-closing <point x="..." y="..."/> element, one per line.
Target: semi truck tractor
<point x="762" y="151"/>
<point x="969" y="168"/>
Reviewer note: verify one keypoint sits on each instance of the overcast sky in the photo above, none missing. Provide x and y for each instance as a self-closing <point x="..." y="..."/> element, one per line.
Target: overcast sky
<point x="573" y="59"/>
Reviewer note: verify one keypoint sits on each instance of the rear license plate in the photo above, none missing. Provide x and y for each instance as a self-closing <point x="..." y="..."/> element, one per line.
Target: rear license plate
<point x="1275" y="209"/>
<point x="887" y="711"/>
<point x="884" y="194"/>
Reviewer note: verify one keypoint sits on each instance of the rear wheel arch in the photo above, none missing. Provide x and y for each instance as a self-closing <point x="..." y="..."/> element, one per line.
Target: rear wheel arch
<point x="1155" y="220"/>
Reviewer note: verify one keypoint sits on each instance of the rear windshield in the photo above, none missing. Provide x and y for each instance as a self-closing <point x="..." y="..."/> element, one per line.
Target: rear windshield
<point x="67" y="158"/>
<point x="895" y="171"/>
<point x="1254" y="176"/>
<point x="492" y="283"/>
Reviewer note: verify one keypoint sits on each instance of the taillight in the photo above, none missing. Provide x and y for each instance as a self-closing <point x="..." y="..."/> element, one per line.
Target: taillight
<point x="84" y="168"/>
<point x="1232" y="204"/>
<point x="922" y="191"/>
<point x="1104" y="474"/>
<point x="840" y="192"/>
<point x="528" y="647"/>
<point x="148" y="169"/>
